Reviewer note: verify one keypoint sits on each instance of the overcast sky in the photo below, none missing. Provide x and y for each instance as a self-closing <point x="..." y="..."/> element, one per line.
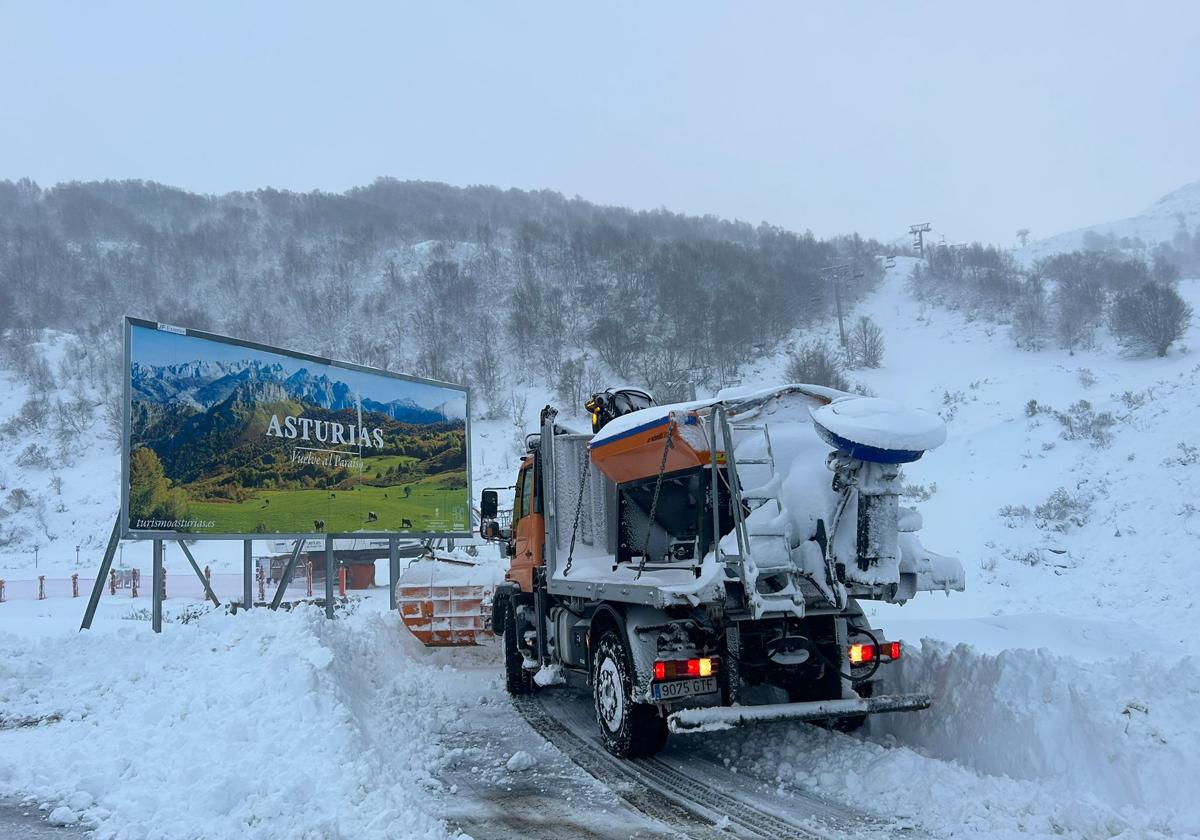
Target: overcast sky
<point x="834" y="117"/>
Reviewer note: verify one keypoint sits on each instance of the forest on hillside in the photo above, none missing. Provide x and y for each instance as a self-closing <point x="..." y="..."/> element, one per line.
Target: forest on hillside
<point x="491" y="288"/>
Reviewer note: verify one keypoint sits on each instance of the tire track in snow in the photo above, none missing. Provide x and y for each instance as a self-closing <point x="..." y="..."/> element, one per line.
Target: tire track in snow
<point x="694" y="796"/>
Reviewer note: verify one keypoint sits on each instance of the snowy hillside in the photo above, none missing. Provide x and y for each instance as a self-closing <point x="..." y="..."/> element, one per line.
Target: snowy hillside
<point x="1158" y="223"/>
<point x="1062" y="677"/>
<point x="58" y="485"/>
<point x="991" y="494"/>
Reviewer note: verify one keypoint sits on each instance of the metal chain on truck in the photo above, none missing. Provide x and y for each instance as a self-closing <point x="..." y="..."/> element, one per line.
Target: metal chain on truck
<point x="662" y="468"/>
<point x="587" y="462"/>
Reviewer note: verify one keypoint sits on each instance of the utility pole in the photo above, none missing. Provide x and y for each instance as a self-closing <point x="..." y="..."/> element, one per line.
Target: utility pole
<point x="918" y="232"/>
<point x="834" y="273"/>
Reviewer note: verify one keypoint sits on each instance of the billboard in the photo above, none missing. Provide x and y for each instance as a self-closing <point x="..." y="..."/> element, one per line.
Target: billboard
<point x="227" y="438"/>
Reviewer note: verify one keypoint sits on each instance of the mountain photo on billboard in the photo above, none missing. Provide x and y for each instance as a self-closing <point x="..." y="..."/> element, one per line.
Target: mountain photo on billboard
<point x="227" y="439"/>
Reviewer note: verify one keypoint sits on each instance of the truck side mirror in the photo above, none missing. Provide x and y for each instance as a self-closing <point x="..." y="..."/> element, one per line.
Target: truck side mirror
<point x="489" y="504"/>
<point x="490" y="530"/>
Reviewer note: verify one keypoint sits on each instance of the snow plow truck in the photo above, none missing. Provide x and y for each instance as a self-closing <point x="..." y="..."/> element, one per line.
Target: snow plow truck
<point x="701" y="565"/>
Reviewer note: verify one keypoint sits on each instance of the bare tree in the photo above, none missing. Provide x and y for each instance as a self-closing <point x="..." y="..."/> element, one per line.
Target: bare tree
<point x="865" y="344"/>
<point x="1023" y="236"/>
<point x="485" y="363"/>
<point x="1031" y="319"/>
<point x="1150" y="318"/>
<point x="816" y="363"/>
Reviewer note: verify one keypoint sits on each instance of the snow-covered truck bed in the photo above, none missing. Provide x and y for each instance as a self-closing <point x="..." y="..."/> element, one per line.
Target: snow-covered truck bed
<point x="712" y="554"/>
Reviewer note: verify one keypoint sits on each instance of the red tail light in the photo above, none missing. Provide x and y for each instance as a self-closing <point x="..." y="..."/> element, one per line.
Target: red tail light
<point x="670" y="669"/>
<point x="866" y="654"/>
<point x="862" y="654"/>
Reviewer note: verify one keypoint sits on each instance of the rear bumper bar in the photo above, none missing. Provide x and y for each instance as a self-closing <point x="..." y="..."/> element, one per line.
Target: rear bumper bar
<point x="726" y="717"/>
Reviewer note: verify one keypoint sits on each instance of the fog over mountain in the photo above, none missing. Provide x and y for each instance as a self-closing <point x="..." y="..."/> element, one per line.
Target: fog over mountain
<point x="476" y="285"/>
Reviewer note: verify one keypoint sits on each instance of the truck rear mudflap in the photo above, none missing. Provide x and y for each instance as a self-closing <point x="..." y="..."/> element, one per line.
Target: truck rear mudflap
<point x="717" y="718"/>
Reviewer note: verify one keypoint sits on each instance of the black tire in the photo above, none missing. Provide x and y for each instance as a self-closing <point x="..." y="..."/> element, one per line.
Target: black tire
<point x="627" y="729"/>
<point x="517" y="680"/>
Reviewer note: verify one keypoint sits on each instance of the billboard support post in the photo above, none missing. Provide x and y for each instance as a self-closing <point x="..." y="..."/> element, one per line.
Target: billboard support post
<point x="208" y="593"/>
<point x="247" y="574"/>
<point x="102" y="575"/>
<point x="156" y="597"/>
<point x="328" y="576"/>
<point x="286" y="578"/>
<point x="393" y="569"/>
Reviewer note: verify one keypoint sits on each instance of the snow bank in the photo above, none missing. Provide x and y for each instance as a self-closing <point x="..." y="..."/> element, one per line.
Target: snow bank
<point x="260" y="726"/>
<point x="1119" y="729"/>
<point x="1023" y="742"/>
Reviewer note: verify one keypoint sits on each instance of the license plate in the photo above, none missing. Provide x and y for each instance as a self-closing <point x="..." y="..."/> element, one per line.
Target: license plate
<point x="683" y="688"/>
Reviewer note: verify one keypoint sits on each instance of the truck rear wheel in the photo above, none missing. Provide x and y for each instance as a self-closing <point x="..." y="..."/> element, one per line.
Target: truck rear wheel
<point x="517" y="679"/>
<point x="627" y="729"/>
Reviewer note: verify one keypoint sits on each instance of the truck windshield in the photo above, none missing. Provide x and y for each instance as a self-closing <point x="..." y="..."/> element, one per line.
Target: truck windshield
<point x="526" y="490"/>
<point x="520" y="500"/>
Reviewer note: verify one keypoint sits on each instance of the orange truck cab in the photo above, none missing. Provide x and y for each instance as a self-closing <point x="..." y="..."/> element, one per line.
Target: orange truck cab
<point x="526" y="543"/>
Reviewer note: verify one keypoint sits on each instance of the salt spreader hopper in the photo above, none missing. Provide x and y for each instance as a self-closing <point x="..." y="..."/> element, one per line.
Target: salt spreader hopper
<point x="701" y="565"/>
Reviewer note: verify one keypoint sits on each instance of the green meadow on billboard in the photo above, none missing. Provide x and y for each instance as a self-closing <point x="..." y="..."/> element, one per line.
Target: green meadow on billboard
<point x="226" y="438"/>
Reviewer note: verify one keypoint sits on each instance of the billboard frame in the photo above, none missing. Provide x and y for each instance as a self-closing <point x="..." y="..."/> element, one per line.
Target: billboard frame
<point x="126" y="433"/>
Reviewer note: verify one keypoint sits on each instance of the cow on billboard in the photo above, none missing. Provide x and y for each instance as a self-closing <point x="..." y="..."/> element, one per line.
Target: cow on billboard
<point x="233" y="439"/>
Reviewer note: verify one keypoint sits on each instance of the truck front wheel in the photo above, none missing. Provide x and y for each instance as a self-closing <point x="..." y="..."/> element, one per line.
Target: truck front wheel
<point x="627" y="729"/>
<point x="517" y="679"/>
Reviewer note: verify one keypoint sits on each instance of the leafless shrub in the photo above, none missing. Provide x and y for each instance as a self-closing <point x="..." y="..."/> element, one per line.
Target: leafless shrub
<point x="817" y="363"/>
<point x="1014" y="515"/>
<point x="865" y="344"/>
<point x="1188" y="455"/>
<point x="32" y="417"/>
<point x="920" y="492"/>
<point x="951" y="400"/>
<point x="1082" y="422"/>
<point x="34" y="455"/>
<point x="1150" y="318"/>
<point x="1133" y="400"/>
<point x="39" y="376"/>
<point x="19" y="498"/>
<point x="114" y="418"/>
<point x="72" y="418"/>
<point x="1062" y="510"/>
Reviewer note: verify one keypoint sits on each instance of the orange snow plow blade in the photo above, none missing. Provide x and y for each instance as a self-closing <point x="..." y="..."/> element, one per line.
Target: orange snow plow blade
<point x="442" y="603"/>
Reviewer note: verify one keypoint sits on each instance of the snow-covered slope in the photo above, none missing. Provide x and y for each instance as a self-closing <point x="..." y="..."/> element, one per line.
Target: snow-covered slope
<point x="1062" y="678"/>
<point x="1122" y="525"/>
<point x="56" y="491"/>
<point x="1158" y="223"/>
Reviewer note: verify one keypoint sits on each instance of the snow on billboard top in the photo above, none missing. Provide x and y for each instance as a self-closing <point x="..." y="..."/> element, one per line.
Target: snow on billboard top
<point x="230" y="439"/>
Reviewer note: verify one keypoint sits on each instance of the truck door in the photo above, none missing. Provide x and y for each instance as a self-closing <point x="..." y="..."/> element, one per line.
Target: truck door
<point x="528" y="529"/>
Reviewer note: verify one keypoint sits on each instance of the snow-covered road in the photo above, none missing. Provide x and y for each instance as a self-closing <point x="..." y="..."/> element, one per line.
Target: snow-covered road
<point x="19" y="821"/>
<point x="266" y="725"/>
